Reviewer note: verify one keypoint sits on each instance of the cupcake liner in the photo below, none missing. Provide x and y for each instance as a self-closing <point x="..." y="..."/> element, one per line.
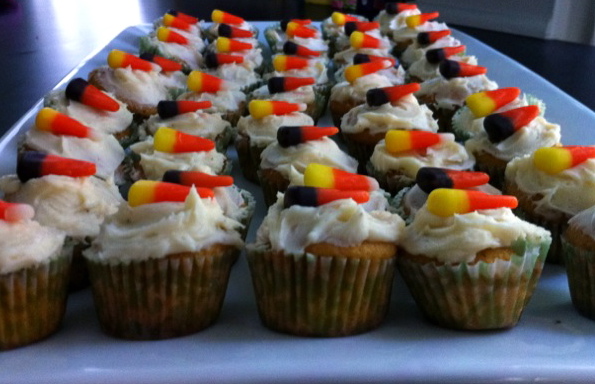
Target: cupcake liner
<point x="32" y="302"/>
<point x="249" y="157"/>
<point x="391" y="182"/>
<point x="160" y="298"/>
<point x="223" y="139"/>
<point x="309" y="295"/>
<point x="271" y="182"/>
<point x="476" y="296"/>
<point x="580" y="267"/>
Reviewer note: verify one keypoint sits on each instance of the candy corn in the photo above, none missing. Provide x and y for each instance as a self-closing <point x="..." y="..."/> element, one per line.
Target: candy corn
<point x="447" y="202"/>
<point x="198" y="179"/>
<point x="451" y="69"/>
<point x="396" y="8"/>
<point x="224" y="44"/>
<point x="150" y="191"/>
<point x="354" y="72"/>
<point x="172" y="141"/>
<point x="214" y="60"/>
<point x="203" y="82"/>
<point x="262" y="108"/>
<point x="361" y="58"/>
<point x="283" y="63"/>
<point x="435" y="56"/>
<point x="290" y="136"/>
<point x="360" y="40"/>
<point x="430" y="178"/>
<point x="284" y="23"/>
<point x="120" y="59"/>
<point x="169" y="36"/>
<point x="427" y="38"/>
<point x="487" y="102"/>
<point x="170" y="108"/>
<point x="182" y="16"/>
<point x="52" y="121"/>
<point x="291" y="48"/>
<point x="314" y="197"/>
<point x="218" y="16"/>
<point x="13" y="212"/>
<point x="500" y="126"/>
<point x="286" y="84"/>
<point x="295" y="29"/>
<point x="377" y="96"/>
<point x="398" y="140"/>
<point x="417" y="20"/>
<point x="361" y="26"/>
<point x="554" y="160"/>
<point x="323" y="176"/>
<point x="80" y="90"/>
<point x="226" y="30"/>
<point x="341" y="18"/>
<point x="172" y="21"/>
<point x="31" y="165"/>
<point x="166" y="65"/>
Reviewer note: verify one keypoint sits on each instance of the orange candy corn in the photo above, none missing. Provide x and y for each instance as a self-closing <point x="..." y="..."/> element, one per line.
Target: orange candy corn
<point x="430" y="178"/>
<point x="396" y="8"/>
<point x="172" y="141"/>
<point x="487" y="102"/>
<point x="13" y="212"/>
<point x="314" y="197"/>
<point x="398" y="140"/>
<point x="218" y="16"/>
<point x="435" y="56"/>
<point x="80" y="90"/>
<point x="214" y="60"/>
<point x="284" y="23"/>
<point x="417" y="20"/>
<point x="31" y="165"/>
<point x="52" y="121"/>
<point x="183" y="16"/>
<point x="450" y="69"/>
<point x="377" y="96"/>
<point x="341" y="18"/>
<point x="447" y="202"/>
<point x="120" y="59"/>
<point x="354" y="72"/>
<point x="361" y="26"/>
<point x="172" y="21"/>
<point x="224" y="44"/>
<point x="290" y="136"/>
<point x="295" y="29"/>
<point x="170" y="108"/>
<point x="283" y="63"/>
<point x="203" y="82"/>
<point x="427" y="38"/>
<point x="291" y="48"/>
<point x="262" y="108"/>
<point x="226" y="30"/>
<point x="166" y="65"/>
<point x="360" y="40"/>
<point x="286" y="84"/>
<point x="150" y="191"/>
<point x="361" y="58"/>
<point x="500" y="126"/>
<point x="198" y="179"/>
<point x="169" y="36"/>
<point x="323" y="176"/>
<point x="554" y="160"/>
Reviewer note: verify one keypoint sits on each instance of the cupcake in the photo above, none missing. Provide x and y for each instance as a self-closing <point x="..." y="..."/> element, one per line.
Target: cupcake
<point x="506" y="135"/>
<point x="159" y="267"/>
<point x="552" y="185"/>
<point x="385" y="108"/>
<point x="259" y="129"/>
<point x="298" y="33"/>
<point x="362" y="43"/>
<point x="397" y="159"/>
<point x="322" y="265"/>
<point x="366" y="30"/>
<point x="334" y="26"/>
<point x="395" y="73"/>
<point x="393" y="16"/>
<point x="220" y="18"/>
<point x="284" y="161"/>
<point x="469" y="262"/>
<point x="234" y="69"/>
<point x="405" y="30"/>
<point x="428" y="67"/>
<point x="247" y="47"/>
<point x="426" y="41"/>
<point x="33" y="277"/>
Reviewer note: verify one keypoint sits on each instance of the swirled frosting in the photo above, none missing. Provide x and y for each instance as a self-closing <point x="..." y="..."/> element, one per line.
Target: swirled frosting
<point x="208" y="125"/>
<point x="405" y="33"/>
<point x="424" y="70"/>
<point x="304" y="94"/>
<point x="223" y="101"/>
<point x="317" y="69"/>
<point x="238" y="74"/>
<point x="452" y="93"/>
<point x="416" y="51"/>
<point x="345" y="57"/>
<point x="357" y="91"/>
<point x="389" y="23"/>
<point x="396" y="75"/>
<point x="263" y="131"/>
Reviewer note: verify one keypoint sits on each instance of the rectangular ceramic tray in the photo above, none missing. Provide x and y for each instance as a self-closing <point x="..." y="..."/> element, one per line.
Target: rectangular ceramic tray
<point x="551" y="342"/>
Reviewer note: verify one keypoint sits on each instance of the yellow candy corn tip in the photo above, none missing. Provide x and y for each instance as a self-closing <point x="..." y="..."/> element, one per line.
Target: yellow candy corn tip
<point x="167" y="19"/>
<point x="318" y="175"/>
<point x="217" y="16"/>
<point x="194" y="81"/>
<point x="164" y="140"/>
<point x="413" y="21"/>
<point x="44" y="118"/>
<point x="279" y="63"/>
<point x="552" y="160"/>
<point x="223" y="44"/>
<point x="141" y="192"/>
<point x="480" y="104"/>
<point x="353" y="72"/>
<point x="162" y="33"/>
<point x="447" y="202"/>
<point x="338" y="18"/>
<point x="115" y="58"/>
<point x="260" y="108"/>
<point x="357" y="39"/>
<point x="397" y="141"/>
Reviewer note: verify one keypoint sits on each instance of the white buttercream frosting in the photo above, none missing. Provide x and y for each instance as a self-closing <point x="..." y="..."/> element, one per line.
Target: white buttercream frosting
<point x="396" y="75"/>
<point x="304" y="94"/>
<point x="345" y="57"/>
<point x="223" y="101"/>
<point x="389" y="23"/>
<point x="357" y="91"/>
<point x="208" y="125"/>
<point x="333" y="30"/>
<point x="405" y="33"/>
<point x="452" y="93"/>
<point x="424" y="70"/>
<point x="236" y="73"/>
<point x="416" y="51"/>
<point x="263" y="131"/>
<point x="316" y="69"/>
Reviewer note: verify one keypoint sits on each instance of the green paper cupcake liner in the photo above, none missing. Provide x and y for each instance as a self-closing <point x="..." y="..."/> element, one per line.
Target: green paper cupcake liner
<point x="476" y="296"/>
<point x="160" y="298"/>
<point x="580" y="268"/>
<point x="309" y="295"/>
<point x="33" y="301"/>
<point x="391" y="182"/>
<point x="556" y="228"/>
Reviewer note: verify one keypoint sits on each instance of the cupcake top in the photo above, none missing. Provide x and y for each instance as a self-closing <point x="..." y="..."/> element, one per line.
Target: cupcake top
<point x="417" y="51"/>
<point x="344" y="91"/>
<point x="584" y="221"/>
<point x="161" y="229"/>
<point x="396" y="75"/>
<point x="402" y="33"/>
<point x="26" y="243"/>
<point x="451" y="93"/>
<point x="313" y="43"/>
<point x="304" y="94"/>
<point x="227" y="100"/>
<point x="342" y="223"/>
<point x="315" y="68"/>
<point x="333" y="30"/>
<point x="75" y="205"/>
<point x="423" y="70"/>
<point x="208" y="125"/>
<point x="236" y="73"/>
<point x="458" y="238"/>
<point x="252" y="56"/>
<point x="263" y="131"/>
<point x="391" y="22"/>
<point x="343" y="41"/>
<point x="346" y="56"/>
<point x="233" y="201"/>
<point x="188" y="54"/>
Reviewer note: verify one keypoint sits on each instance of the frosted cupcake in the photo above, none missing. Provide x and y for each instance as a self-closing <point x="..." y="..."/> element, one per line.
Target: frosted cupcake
<point x="219" y="18"/>
<point x="395" y="73"/>
<point x="248" y="48"/>
<point x="393" y="16"/>
<point x="368" y="28"/>
<point x="334" y="26"/>
<point x="406" y="29"/>
<point x="296" y="33"/>
<point x="426" y="41"/>
<point x="234" y="69"/>
<point x="362" y="43"/>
